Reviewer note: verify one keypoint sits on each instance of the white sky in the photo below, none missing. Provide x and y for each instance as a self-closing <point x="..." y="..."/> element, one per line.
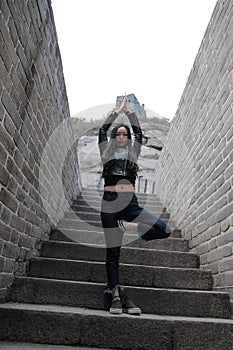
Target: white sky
<point x="142" y="47"/>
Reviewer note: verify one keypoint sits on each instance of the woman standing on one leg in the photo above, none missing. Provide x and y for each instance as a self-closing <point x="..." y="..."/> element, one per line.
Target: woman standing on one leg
<point x="120" y="211"/>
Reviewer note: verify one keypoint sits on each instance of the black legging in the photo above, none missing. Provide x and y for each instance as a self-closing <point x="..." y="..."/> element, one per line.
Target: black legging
<point x="124" y="206"/>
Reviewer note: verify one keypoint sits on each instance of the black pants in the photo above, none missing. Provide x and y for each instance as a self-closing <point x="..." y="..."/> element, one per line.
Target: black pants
<point x="124" y="206"/>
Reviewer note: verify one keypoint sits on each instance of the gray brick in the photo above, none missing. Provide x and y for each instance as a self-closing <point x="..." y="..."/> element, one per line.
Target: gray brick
<point x="229" y="172"/>
<point x="20" y="144"/>
<point x="21" y="210"/>
<point x="14" y="170"/>
<point x="24" y="241"/>
<point x="31" y="217"/>
<point x="3" y="155"/>
<point x="9" y="266"/>
<point x="11" y="109"/>
<point x="6" y="140"/>
<point x="13" y="31"/>
<point x="29" y="174"/>
<point x="9" y="125"/>
<point x="14" y="236"/>
<point x="5" y="232"/>
<point x="17" y="223"/>
<point x="226" y="265"/>
<point x="4" y="53"/>
<point x="18" y="158"/>
<point x="6" y="280"/>
<point x="10" y="250"/>
<point x="227" y="251"/>
<point x="12" y="186"/>
<point x="225" y="238"/>
<point x="5" y="11"/>
<point x="4" y="176"/>
<point x="6" y="215"/>
<point x="225" y="225"/>
<point x="7" y="199"/>
<point x="225" y="212"/>
<point x="222" y="190"/>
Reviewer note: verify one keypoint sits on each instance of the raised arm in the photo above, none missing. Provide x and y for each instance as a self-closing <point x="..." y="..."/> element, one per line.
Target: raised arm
<point x="103" y="138"/>
<point x="135" y="126"/>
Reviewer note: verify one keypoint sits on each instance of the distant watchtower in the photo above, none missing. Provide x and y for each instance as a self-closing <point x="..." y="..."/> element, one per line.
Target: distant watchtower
<point x="133" y="105"/>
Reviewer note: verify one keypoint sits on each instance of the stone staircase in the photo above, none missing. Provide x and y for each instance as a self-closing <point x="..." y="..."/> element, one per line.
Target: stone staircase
<point x="60" y="301"/>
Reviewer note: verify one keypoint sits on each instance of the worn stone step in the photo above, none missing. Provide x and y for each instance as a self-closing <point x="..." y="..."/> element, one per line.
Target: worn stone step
<point x="52" y="324"/>
<point x="8" y="345"/>
<point x="87" y="225"/>
<point x="95" y="215"/>
<point x="96" y="192"/>
<point x="134" y="275"/>
<point x="175" y="244"/>
<point x="96" y="203"/>
<point x="86" y="228"/>
<point x="88" y="221"/>
<point x="93" y="195"/>
<point x="75" y="209"/>
<point x="129" y="255"/>
<point x="88" y="237"/>
<point x="91" y="225"/>
<point x="159" y="301"/>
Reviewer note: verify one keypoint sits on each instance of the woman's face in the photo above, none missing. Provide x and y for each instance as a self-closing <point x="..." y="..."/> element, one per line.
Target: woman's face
<point x="122" y="136"/>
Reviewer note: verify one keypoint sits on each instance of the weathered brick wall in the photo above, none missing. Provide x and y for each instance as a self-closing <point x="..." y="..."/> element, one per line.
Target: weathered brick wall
<point x="195" y="171"/>
<point x="38" y="178"/>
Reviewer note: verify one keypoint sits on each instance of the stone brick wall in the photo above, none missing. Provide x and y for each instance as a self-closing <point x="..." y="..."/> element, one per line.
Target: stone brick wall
<point x="38" y="168"/>
<point x="195" y="171"/>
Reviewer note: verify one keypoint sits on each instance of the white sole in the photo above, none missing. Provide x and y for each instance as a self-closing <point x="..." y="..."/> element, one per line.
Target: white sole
<point x="115" y="311"/>
<point x="133" y="311"/>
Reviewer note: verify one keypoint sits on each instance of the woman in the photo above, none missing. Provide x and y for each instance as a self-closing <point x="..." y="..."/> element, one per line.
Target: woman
<point x="120" y="211"/>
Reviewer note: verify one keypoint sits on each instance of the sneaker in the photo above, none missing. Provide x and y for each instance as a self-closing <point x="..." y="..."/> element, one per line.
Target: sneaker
<point x="131" y="308"/>
<point x="116" y="307"/>
<point x="127" y="304"/>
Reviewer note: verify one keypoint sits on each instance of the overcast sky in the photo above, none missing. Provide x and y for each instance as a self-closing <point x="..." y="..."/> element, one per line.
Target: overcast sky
<point x="110" y="48"/>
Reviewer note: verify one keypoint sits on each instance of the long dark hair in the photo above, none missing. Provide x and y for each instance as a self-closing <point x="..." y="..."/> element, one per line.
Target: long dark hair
<point x="109" y="153"/>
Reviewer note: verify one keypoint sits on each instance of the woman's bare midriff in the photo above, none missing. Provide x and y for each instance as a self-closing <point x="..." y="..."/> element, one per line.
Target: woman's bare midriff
<point x="120" y="188"/>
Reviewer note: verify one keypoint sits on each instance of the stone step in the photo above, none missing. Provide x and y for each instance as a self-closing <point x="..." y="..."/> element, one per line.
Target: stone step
<point x="129" y="255"/>
<point x="175" y="244"/>
<point x="94" y="237"/>
<point x="54" y="324"/>
<point x="88" y="237"/>
<point x="87" y="221"/>
<point x="142" y="199"/>
<point x="156" y="210"/>
<point x="96" y="192"/>
<point x="134" y="275"/>
<point x="8" y="345"/>
<point x="88" y="226"/>
<point x="90" y="295"/>
<point x="96" y="202"/>
<point x="99" y="194"/>
<point x="95" y="215"/>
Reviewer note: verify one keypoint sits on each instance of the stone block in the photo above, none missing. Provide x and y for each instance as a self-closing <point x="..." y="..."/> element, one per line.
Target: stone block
<point x="6" y="140"/>
<point x="10" y="250"/>
<point x="4" y="175"/>
<point x="8" y="200"/>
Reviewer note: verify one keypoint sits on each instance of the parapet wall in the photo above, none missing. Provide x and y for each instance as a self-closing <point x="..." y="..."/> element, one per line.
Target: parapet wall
<point x="194" y="175"/>
<point x="38" y="178"/>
